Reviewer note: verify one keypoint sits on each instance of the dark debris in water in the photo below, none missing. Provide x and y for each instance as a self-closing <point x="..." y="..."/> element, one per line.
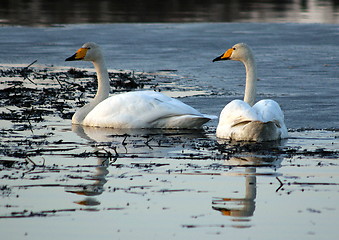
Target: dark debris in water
<point x="49" y="213"/>
<point x="27" y="107"/>
<point x="61" y="95"/>
<point x="30" y="96"/>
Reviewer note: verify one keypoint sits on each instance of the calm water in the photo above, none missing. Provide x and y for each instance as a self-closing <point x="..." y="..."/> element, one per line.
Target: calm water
<point x="42" y="12"/>
<point x="93" y="183"/>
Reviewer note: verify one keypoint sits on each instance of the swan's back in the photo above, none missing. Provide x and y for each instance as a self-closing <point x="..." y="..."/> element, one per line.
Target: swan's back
<point x="270" y="111"/>
<point x="144" y="109"/>
<point x="262" y="122"/>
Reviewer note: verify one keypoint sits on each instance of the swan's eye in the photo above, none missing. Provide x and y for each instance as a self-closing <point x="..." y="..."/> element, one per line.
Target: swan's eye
<point x="234" y="48"/>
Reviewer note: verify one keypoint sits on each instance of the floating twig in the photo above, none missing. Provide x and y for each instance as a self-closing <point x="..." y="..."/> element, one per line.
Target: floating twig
<point x="24" y="72"/>
<point x="31" y="64"/>
<point x="31" y="161"/>
<point x="57" y="79"/>
<point x="281" y="184"/>
<point x="147" y="143"/>
<point x="123" y="141"/>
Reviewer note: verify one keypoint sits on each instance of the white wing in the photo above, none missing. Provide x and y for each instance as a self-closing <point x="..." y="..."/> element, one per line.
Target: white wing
<point x="144" y="109"/>
<point x="234" y="115"/>
<point x="270" y="111"/>
<point x="262" y="122"/>
<point x="236" y="112"/>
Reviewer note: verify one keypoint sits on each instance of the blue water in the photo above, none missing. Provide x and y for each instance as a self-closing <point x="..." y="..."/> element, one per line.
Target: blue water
<point x="45" y="13"/>
<point x="189" y="190"/>
<point x="297" y="63"/>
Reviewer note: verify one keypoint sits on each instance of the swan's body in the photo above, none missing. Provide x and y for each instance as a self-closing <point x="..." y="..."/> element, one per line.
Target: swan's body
<point x="140" y="109"/>
<point x="244" y="120"/>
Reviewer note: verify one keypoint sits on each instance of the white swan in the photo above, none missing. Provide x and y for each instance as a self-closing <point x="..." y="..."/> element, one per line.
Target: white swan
<point x="140" y="109"/>
<point x="244" y="120"/>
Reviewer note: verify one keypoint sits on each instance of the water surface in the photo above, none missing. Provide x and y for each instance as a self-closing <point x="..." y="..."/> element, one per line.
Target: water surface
<point x="40" y="12"/>
<point x="63" y="182"/>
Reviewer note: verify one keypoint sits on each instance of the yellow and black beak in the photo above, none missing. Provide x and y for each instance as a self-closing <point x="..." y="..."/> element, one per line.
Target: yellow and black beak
<point x="225" y="56"/>
<point x="79" y="55"/>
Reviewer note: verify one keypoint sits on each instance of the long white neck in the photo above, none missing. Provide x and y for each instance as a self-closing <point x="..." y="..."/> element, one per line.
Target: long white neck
<point x="103" y="81"/>
<point x="102" y="92"/>
<point x="251" y="80"/>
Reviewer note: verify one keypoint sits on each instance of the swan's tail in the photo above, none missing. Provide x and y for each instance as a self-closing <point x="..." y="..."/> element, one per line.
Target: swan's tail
<point x="261" y="131"/>
<point x="210" y="117"/>
<point x="182" y="121"/>
<point x="253" y="131"/>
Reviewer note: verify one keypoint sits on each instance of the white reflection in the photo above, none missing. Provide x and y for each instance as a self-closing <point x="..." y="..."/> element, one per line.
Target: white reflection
<point x="98" y="134"/>
<point x="135" y="141"/>
<point x="242" y="208"/>
<point x="95" y="188"/>
<point x="118" y="143"/>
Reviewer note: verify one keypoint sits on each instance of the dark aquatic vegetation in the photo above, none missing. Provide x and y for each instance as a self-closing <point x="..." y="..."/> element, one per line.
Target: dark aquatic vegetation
<point x="59" y="92"/>
<point x="60" y="95"/>
<point x="99" y="171"/>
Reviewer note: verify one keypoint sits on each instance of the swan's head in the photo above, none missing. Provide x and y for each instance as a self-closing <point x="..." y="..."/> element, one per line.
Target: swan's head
<point x="88" y="52"/>
<point x="239" y="52"/>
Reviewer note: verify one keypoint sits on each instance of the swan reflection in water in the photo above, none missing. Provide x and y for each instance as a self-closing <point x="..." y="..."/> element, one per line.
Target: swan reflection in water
<point x="137" y="141"/>
<point x="240" y="209"/>
<point x="99" y="177"/>
<point x="99" y="134"/>
<point x="113" y="140"/>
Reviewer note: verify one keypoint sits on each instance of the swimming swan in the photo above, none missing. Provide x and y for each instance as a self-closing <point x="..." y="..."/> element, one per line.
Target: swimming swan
<point x="139" y="109"/>
<point x="244" y="120"/>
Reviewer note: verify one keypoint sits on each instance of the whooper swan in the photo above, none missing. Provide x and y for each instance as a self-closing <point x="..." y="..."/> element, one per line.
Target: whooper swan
<point x="244" y="120"/>
<point x="139" y="109"/>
